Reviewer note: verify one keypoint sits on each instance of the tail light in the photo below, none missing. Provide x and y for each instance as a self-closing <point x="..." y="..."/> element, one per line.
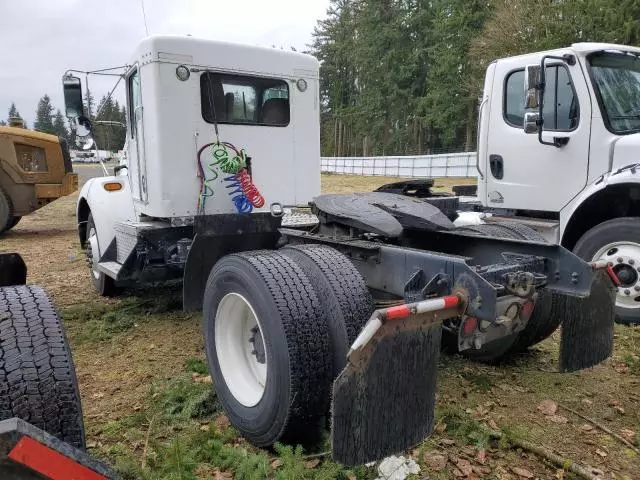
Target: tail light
<point x="470" y="325"/>
<point x="527" y="310"/>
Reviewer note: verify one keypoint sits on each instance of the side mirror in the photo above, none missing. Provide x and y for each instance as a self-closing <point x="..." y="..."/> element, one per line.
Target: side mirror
<point x="72" y="88"/>
<point x="531" y="122"/>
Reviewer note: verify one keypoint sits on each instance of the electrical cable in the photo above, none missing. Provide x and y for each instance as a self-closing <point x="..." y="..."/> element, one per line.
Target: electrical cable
<point x="232" y="162"/>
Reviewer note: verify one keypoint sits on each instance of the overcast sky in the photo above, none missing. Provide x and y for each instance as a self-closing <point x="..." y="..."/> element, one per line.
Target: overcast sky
<point x="42" y="38"/>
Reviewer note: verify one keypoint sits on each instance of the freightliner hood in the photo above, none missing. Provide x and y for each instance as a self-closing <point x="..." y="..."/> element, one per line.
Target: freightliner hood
<point x="626" y="151"/>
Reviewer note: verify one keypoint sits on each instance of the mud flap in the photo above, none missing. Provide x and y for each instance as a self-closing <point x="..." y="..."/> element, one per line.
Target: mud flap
<point x="588" y="325"/>
<point x="26" y="452"/>
<point x="13" y="270"/>
<point x="384" y="400"/>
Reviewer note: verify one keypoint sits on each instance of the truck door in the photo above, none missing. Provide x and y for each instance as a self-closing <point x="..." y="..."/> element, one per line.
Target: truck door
<point x="136" y="163"/>
<point x="520" y="172"/>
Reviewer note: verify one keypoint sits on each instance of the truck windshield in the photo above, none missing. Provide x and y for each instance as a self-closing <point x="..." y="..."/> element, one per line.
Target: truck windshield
<point x="616" y="77"/>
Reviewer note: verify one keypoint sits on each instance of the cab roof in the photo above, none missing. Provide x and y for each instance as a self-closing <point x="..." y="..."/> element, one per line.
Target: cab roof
<point x="23" y="132"/>
<point x="215" y="54"/>
<point x="582" y="49"/>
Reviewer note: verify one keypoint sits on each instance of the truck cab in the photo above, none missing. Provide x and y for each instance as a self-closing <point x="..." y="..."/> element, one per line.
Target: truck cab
<point x="185" y="95"/>
<point x="559" y="153"/>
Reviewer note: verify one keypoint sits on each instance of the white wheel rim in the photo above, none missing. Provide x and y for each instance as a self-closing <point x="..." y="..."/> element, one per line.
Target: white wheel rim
<point x="93" y="241"/>
<point x="244" y="375"/>
<point x="624" y="257"/>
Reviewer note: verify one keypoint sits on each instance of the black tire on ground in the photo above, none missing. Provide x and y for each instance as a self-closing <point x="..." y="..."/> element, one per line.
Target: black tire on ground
<point x="37" y="378"/>
<point x="6" y="211"/>
<point x="342" y="292"/>
<point x="103" y="284"/>
<point x="612" y="231"/>
<point x="14" y="221"/>
<point x="546" y="317"/>
<point x="297" y="349"/>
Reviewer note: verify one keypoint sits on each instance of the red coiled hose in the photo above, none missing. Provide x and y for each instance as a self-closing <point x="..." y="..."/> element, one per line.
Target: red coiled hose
<point x="249" y="189"/>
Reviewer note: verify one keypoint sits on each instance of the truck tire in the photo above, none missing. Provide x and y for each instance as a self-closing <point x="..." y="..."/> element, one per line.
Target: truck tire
<point x="103" y="284"/>
<point x="14" y="221"/>
<point x="618" y="242"/>
<point x="6" y="211"/>
<point x="268" y="347"/>
<point x="37" y="379"/>
<point x="342" y="292"/>
<point x="546" y="317"/>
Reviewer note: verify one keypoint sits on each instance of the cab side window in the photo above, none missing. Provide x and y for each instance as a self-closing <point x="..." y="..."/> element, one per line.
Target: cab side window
<point x="135" y="99"/>
<point x="560" y="110"/>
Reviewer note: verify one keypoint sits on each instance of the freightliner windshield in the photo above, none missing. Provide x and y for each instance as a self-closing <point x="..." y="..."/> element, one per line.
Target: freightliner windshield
<point x="616" y="77"/>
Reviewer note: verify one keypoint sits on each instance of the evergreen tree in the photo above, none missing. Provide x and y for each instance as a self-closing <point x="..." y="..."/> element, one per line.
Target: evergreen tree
<point x="59" y="127"/>
<point x="14" y="113"/>
<point x="109" y="136"/>
<point x="89" y="104"/>
<point x="3" y="123"/>
<point x="404" y="76"/>
<point x="44" y="116"/>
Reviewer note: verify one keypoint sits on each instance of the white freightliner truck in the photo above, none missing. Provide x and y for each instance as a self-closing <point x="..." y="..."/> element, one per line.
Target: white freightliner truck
<point x="223" y="145"/>
<point x="561" y="155"/>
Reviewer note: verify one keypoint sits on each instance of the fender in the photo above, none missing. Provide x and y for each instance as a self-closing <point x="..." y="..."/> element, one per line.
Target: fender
<point x="106" y="207"/>
<point x="629" y="174"/>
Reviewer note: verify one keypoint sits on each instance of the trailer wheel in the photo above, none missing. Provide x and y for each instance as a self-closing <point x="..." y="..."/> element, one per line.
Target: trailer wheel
<point x="104" y="284"/>
<point x="268" y="347"/>
<point x="37" y="379"/>
<point x="618" y="242"/>
<point x="341" y="291"/>
<point x="6" y="211"/>
<point x="546" y="317"/>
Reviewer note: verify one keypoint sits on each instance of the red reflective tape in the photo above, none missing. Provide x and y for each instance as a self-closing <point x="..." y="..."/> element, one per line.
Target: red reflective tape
<point x="401" y="311"/>
<point x="50" y="463"/>
<point x="451" y="301"/>
<point x="613" y="275"/>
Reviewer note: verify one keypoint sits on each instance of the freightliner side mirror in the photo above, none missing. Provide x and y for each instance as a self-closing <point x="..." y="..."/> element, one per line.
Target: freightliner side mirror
<point x="72" y="88"/>
<point x="532" y="94"/>
<point x="74" y="109"/>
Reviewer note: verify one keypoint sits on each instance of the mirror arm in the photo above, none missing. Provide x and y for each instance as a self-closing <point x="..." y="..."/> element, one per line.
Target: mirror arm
<point x="558" y="142"/>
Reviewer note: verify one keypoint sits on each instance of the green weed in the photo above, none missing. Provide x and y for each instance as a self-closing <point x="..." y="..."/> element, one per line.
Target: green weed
<point x="197" y="365"/>
<point x="185" y="399"/>
<point x="481" y="382"/>
<point x="463" y="427"/>
<point x="95" y="322"/>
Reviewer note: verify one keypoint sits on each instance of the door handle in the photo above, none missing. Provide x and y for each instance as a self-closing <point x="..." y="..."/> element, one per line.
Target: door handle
<point x="496" y="164"/>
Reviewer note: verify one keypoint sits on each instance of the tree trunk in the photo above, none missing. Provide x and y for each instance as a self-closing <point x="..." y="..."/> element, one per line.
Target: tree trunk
<point x="335" y="137"/>
<point x="468" y="143"/>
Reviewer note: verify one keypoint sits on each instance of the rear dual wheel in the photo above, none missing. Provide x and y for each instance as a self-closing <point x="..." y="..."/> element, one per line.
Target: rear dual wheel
<point x="277" y="327"/>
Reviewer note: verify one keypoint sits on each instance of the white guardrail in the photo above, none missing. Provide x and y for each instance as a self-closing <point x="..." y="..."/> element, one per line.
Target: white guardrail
<point x="442" y="165"/>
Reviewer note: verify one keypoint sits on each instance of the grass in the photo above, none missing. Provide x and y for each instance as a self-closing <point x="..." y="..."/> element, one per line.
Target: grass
<point x="179" y="433"/>
<point x="99" y="321"/>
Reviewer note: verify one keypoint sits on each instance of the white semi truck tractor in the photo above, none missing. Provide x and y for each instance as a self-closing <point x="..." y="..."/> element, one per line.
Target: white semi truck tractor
<point x="559" y="151"/>
<point x="336" y="309"/>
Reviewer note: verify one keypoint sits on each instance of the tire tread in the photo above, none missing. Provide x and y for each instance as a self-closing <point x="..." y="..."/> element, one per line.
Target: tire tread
<point x="37" y="376"/>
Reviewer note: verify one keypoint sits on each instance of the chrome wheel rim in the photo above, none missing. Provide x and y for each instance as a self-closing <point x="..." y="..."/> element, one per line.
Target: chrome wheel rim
<point x="624" y="258"/>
